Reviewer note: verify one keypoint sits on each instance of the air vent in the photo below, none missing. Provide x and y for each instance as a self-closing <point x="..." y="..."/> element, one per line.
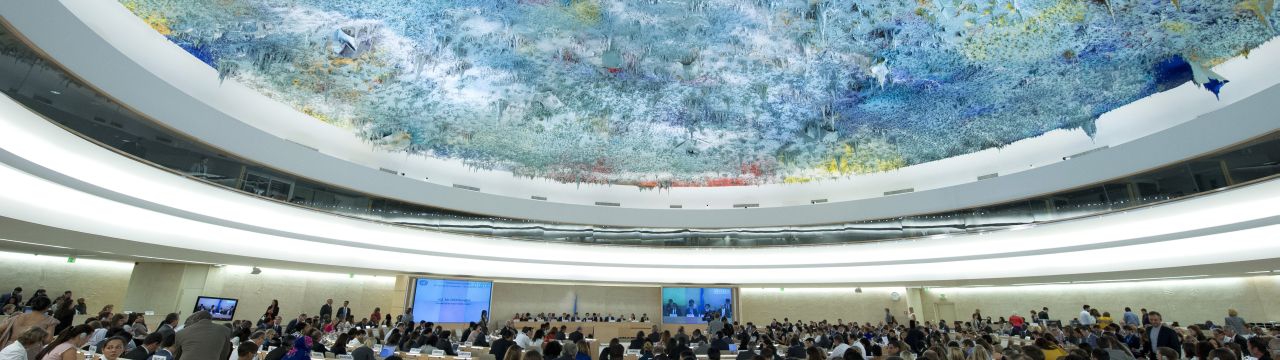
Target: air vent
<point x="744" y="206"/>
<point x="465" y="187"/>
<point x="902" y="191"/>
<point x="602" y="203"/>
<point x="42" y="99"/>
<point x="677" y="206"/>
<point x="99" y="119"/>
<point x="389" y="171"/>
<point x="117" y="125"/>
<point x="536" y="197"/>
<point x="988" y="176"/>
<point x="817" y="201"/>
<point x="163" y="139"/>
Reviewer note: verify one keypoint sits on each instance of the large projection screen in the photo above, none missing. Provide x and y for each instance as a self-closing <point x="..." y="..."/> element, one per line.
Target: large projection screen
<point x="450" y="301"/>
<point x="689" y="305"/>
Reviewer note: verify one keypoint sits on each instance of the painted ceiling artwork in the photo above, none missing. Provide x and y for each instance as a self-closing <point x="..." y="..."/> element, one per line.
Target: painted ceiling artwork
<point x="659" y="93"/>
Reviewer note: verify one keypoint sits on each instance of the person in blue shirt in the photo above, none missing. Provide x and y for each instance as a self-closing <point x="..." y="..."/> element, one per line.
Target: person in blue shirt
<point x="1130" y="318"/>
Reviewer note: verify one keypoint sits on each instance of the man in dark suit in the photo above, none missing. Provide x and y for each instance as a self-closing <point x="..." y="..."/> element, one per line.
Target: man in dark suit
<point x="170" y="323"/>
<point x="344" y="311"/>
<point x="1161" y="336"/>
<point x="279" y="352"/>
<point x="201" y="339"/>
<point x="295" y="324"/>
<point x="16" y="295"/>
<point x="326" y="310"/>
<point x="576" y="335"/>
<point x="718" y="344"/>
<point x="500" y="347"/>
<point x="148" y="348"/>
<point x="1229" y="335"/>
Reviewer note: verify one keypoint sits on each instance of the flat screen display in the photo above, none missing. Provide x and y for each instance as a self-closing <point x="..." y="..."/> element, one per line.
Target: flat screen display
<point x="221" y="308"/>
<point x="450" y="301"/>
<point x="696" y="305"/>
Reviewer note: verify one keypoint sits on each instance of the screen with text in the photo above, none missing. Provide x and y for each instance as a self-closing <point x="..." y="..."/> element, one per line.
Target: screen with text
<point x="450" y="301"/>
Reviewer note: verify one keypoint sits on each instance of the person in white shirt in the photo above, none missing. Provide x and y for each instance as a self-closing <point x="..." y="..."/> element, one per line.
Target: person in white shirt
<point x="32" y="339"/>
<point x="1087" y="319"/>
<point x="523" y="340"/>
<point x="838" y="348"/>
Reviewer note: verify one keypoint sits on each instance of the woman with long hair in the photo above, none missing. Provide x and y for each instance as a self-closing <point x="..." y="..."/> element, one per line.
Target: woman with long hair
<point x="273" y="310"/>
<point x="340" y="344"/>
<point x="63" y="347"/>
<point x="65" y="313"/>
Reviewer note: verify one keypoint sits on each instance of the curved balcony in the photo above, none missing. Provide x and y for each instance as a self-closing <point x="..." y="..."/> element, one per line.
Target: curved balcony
<point x="30" y="79"/>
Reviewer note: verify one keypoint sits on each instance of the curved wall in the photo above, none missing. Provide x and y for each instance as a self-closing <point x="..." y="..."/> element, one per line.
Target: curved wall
<point x="107" y="46"/>
<point x="72" y="184"/>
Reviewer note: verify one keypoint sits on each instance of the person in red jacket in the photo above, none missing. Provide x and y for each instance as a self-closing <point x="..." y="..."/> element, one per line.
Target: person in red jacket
<point x="1019" y="324"/>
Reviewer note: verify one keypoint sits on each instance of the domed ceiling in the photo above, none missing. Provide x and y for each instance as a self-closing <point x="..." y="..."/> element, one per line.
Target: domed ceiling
<point x="658" y="93"/>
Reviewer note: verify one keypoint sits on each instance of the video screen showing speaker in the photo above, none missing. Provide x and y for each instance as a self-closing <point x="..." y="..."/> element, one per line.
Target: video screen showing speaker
<point x="696" y="305"/>
<point x="450" y="301"/>
<point x="222" y="309"/>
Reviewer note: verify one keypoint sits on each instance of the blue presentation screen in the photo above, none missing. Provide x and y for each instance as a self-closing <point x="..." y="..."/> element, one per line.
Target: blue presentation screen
<point x="450" y="301"/>
<point x="696" y="305"/>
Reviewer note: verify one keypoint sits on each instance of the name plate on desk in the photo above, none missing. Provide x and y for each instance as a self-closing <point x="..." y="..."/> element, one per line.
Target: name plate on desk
<point x="464" y="354"/>
<point x="345" y="357"/>
<point x="466" y="344"/>
<point x="633" y="351"/>
<point x="437" y="352"/>
<point x="415" y="351"/>
<point x="317" y="355"/>
<point x="158" y="357"/>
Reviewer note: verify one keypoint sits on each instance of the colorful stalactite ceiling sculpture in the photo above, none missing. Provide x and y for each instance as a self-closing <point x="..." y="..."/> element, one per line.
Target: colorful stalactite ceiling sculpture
<point x="659" y="93"/>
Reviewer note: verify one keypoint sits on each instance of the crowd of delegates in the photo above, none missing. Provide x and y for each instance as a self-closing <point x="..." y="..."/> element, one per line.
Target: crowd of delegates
<point x="575" y="317"/>
<point x="1094" y="335"/>
<point x="45" y="329"/>
<point x="41" y="334"/>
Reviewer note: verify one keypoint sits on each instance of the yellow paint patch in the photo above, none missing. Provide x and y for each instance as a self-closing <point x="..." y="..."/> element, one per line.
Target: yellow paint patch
<point x="1021" y="40"/>
<point x="586" y="11"/>
<point x="796" y="180"/>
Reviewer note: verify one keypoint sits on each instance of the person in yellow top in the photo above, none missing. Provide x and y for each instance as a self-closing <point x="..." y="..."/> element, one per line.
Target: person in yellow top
<point x="1104" y="320"/>
<point x="1050" y="349"/>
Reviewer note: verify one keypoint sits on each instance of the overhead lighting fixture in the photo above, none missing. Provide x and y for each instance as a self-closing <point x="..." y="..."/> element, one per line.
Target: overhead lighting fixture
<point x="55" y="92"/>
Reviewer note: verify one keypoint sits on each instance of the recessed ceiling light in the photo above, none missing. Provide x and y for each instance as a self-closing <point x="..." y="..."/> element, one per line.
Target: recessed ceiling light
<point x="55" y="92"/>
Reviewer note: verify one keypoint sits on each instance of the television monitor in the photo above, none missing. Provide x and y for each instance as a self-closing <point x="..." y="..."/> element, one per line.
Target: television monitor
<point x="450" y="301"/>
<point x="222" y="309"/>
<point x="696" y="305"/>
